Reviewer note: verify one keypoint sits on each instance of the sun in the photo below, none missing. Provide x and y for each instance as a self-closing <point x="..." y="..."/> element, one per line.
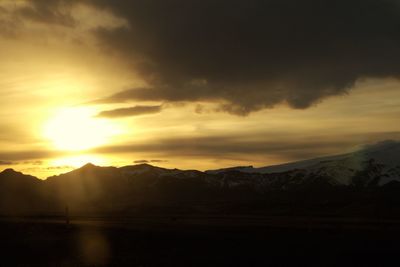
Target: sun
<point x="77" y="129"/>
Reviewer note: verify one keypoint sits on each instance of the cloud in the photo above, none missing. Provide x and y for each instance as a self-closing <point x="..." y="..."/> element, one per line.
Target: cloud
<point x="29" y="155"/>
<point x="2" y="162"/>
<point x="286" y="147"/>
<point x="59" y="167"/>
<point x="249" y="55"/>
<point x="225" y="147"/>
<point x="34" y="162"/>
<point x="244" y="55"/>
<point x="143" y="161"/>
<point x="66" y="20"/>
<point x="55" y="12"/>
<point x="132" y="111"/>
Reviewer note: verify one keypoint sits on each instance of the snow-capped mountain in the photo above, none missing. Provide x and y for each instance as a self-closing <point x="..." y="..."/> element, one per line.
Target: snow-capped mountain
<point x="376" y="164"/>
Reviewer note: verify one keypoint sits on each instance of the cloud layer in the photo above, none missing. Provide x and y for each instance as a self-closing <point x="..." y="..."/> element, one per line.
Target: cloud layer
<point x="279" y="146"/>
<point x="244" y="55"/>
<point x="253" y="54"/>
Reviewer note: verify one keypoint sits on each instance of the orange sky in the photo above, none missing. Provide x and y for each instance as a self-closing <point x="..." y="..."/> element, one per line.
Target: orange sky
<point x="51" y="76"/>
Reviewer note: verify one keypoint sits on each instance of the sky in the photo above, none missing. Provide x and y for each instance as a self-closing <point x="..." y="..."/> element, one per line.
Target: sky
<point x="194" y="84"/>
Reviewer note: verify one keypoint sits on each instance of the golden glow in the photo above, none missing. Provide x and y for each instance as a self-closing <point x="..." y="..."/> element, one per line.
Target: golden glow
<point x="78" y="161"/>
<point x="76" y="129"/>
<point x="45" y="67"/>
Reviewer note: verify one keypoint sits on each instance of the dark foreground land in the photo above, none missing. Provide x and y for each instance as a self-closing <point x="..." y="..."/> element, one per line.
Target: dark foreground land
<point x="199" y="241"/>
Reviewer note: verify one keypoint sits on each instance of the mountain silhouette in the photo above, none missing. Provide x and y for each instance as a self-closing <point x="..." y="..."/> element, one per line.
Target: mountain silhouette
<point x="19" y="192"/>
<point x="343" y="183"/>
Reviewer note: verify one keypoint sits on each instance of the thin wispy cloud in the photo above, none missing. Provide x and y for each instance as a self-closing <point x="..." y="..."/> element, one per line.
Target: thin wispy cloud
<point x="131" y="111"/>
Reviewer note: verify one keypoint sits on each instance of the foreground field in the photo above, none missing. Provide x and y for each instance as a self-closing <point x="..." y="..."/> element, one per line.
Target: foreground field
<point x="199" y="241"/>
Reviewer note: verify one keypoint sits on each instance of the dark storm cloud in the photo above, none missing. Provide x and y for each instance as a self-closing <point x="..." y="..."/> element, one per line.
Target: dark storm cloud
<point x="132" y="111"/>
<point x="252" y="54"/>
<point x="245" y="55"/>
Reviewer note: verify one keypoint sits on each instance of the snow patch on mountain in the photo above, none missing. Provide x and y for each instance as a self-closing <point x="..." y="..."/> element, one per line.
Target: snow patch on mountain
<point x="378" y="163"/>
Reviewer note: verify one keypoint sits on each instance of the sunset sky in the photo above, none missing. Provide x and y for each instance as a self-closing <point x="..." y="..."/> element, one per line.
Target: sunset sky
<point x="194" y="84"/>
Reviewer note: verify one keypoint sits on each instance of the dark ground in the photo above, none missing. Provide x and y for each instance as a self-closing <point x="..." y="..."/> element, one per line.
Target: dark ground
<point x="199" y="241"/>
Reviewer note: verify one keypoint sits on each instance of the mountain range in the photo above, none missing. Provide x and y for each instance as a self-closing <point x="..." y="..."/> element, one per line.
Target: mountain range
<point x="376" y="164"/>
<point x="366" y="181"/>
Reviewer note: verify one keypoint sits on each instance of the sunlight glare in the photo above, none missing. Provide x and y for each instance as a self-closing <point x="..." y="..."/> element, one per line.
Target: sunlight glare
<point x="77" y="129"/>
<point x="78" y="161"/>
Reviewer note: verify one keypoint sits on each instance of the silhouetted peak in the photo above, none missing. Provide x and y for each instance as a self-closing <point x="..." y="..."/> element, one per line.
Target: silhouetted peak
<point x="10" y="171"/>
<point x="85" y="168"/>
<point x="88" y="166"/>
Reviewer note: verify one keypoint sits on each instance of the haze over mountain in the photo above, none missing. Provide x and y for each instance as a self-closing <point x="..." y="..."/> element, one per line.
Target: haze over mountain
<point x="339" y="180"/>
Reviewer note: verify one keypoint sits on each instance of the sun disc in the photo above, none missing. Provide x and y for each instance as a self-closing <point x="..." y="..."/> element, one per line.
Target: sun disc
<point x="76" y="129"/>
